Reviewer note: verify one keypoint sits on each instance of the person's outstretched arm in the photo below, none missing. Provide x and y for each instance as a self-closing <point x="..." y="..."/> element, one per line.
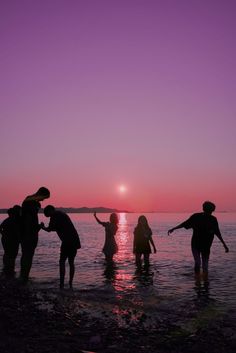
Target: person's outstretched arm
<point x="153" y="245"/>
<point x="98" y="220"/>
<point x="50" y="228"/>
<point x="134" y="247"/>
<point x="134" y="242"/>
<point x="181" y="225"/>
<point x="219" y="236"/>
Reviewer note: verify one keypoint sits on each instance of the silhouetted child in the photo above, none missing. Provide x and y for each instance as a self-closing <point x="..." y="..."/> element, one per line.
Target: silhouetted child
<point x="204" y="226"/>
<point x="11" y="232"/>
<point x="110" y="247"/>
<point x="142" y="241"/>
<point x="61" y="223"/>
<point x="30" y="229"/>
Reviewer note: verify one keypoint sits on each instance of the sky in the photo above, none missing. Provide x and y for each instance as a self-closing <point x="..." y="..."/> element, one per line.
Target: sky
<point x="99" y="94"/>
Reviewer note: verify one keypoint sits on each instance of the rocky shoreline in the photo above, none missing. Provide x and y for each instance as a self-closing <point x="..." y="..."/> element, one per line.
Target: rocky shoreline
<point x="43" y="321"/>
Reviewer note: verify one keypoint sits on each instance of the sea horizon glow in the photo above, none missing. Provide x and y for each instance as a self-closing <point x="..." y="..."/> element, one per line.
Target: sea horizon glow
<point x="121" y="104"/>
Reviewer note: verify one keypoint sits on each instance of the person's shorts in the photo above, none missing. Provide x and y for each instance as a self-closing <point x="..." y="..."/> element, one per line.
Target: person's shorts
<point x="67" y="252"/>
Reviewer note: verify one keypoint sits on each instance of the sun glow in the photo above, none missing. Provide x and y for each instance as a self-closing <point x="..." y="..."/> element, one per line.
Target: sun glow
<point x="122" y="189"/>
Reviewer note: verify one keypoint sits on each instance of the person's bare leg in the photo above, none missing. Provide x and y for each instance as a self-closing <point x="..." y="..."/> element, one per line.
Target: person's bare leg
<point x="197" y="261"/>
<point x="146" y="260"/>
<point x="109" y="259"/>
<point x="205" y="261"/>
<point x="138" y="260"/>
<point x="62" y="266"/>
<point x="72" y="271"/>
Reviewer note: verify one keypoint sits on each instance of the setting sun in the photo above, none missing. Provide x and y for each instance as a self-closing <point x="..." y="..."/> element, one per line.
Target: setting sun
<point x="122" y="189"/>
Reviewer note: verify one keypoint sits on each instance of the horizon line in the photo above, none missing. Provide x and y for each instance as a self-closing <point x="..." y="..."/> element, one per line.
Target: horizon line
<point x="4" y="210"/>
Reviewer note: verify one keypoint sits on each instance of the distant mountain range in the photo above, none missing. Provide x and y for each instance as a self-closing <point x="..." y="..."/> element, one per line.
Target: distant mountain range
<point x="90" y="210"/>
<point x="81" y="210"/>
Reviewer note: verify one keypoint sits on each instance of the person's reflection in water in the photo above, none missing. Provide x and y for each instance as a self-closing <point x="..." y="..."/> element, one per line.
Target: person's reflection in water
<point x="201" y="288"/>
<point x="110" y="272"/>
<point x="144" y="276"/>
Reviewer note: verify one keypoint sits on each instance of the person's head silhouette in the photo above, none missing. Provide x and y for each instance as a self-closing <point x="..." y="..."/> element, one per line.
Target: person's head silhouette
<point x="49" y="210"/>
<point x="114" y="218"/>
<point x="142" y="221"/>
<point x="42" y="193"/>
<point x="208" y="207"/>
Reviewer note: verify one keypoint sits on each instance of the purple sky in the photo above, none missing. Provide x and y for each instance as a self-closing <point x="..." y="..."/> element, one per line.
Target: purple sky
<point x="100" y="93"/>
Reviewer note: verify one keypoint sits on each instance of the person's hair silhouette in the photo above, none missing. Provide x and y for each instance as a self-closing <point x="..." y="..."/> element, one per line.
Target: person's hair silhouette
<point x="142" y="241"/>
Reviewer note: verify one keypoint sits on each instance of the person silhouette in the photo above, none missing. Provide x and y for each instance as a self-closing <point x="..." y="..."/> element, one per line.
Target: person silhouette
<point x="204" y="226"/>
<point x="30" y="229"/>
<point x="10" y="229"/>
<point x="142" y="241"/>
<point x="110" y="247"/>
<point x="61" y="223"/>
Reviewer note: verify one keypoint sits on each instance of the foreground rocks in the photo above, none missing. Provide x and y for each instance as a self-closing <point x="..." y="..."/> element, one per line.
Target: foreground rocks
<point x="33" y="320"/>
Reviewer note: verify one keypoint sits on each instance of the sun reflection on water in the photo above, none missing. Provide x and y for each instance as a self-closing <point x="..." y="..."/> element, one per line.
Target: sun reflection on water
<point x="122" y="239"/>
<point x="123" y="279"/>
<point x="129" y="287"/>
<point x="122" y="234"/>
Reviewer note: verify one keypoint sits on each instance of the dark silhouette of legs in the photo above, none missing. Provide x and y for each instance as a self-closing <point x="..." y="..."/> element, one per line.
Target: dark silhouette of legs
<point x="197" y="260"/>
<point x="138" y="260"/>
<point x="9" y="257"/>
<point x="62" y="268"/>
<point x="146" y="260"/>
<point x="109" y="258"/>
<point x="70" y="255"/>
<point x="72" y="269"/>
<point x="26" y="260"/>
<point x="205" y="261"/>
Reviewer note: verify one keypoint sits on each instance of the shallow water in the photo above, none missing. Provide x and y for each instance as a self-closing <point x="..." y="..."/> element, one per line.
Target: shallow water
<point x="168" y="282"/>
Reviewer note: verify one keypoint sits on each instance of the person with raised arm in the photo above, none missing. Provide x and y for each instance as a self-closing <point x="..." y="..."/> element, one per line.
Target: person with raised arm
<point x="110" y="247"/>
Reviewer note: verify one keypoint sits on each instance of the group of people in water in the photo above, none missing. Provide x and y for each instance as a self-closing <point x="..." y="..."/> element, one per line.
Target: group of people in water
<point x="22" y="226"/>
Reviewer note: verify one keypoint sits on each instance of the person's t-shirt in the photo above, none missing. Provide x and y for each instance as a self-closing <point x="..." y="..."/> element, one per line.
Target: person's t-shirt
<point x="30" y="223"/>
<point x="10" y="229"/>
<point x="61" y="223"/>
<point x="204" y="227"/>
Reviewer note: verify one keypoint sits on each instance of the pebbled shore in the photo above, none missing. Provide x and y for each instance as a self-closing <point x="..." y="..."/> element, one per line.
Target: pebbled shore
<point x="44" y="320"/>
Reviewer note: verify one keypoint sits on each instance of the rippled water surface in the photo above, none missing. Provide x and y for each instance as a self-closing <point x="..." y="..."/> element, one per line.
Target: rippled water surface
<point x="170" y="277"/>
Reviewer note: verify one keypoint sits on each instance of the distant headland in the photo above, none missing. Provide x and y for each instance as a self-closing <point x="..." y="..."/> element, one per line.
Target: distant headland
<point x="81" y="210"/>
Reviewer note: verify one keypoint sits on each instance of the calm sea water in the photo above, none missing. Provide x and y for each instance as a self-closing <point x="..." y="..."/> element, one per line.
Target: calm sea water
<point x="171" y="272"/>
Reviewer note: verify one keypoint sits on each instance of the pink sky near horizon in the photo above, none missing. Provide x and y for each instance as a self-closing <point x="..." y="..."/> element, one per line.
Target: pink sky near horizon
<point x="98" y="94"/>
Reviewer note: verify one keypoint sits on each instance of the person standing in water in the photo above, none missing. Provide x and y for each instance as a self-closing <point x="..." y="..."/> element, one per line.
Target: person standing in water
<point x="110" y="247"/>
<point x="10" y="229"/>
<point x="142" y="241"/>
<point x="61" y="223"/>
<point x="204" y="226"/>
<point x="30" y="229"/>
